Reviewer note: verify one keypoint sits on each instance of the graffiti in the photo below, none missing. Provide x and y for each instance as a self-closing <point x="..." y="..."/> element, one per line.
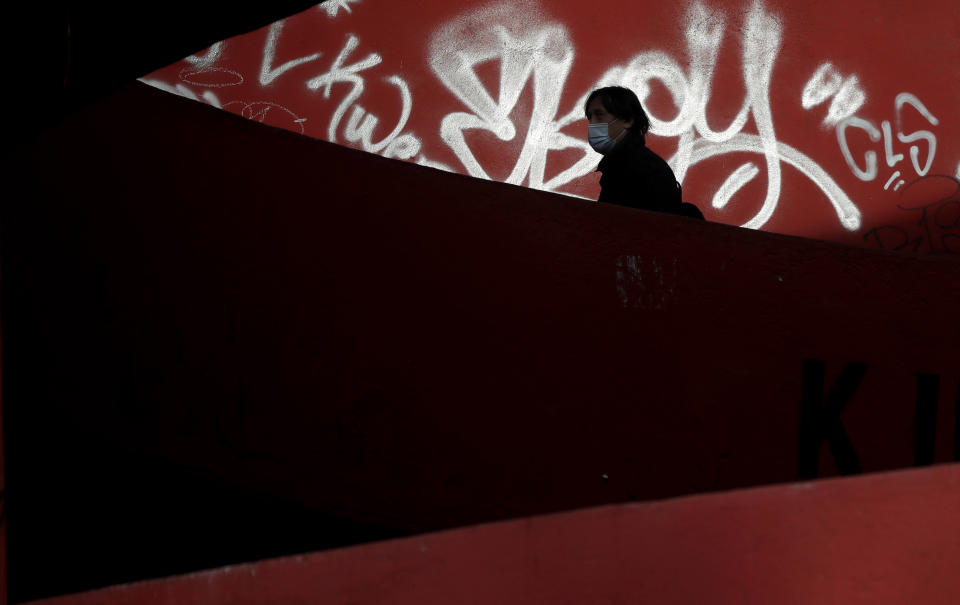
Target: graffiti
<point x="825" y="83"/>
<point x="361" y="124"/>
<point x="201" y="71"/>
<point x="645" y="284"/>
<point x="267" y="113"/>
<point x="349" y="74"/>
<point x="821" y="420"/>
<point x="908" y="99"/>
<point x="761" y="44"/>
<point x="934" y="227"/>
<point x="332" y="7"/>
<point x="208" y="58"/>
<point x="544" y="52"/>
<point x="258" y="111"/>
<point x="871" y="168"/>
<point x="505" y="32"/>
<point x="268" y="73"/>
<point x="495" y="90"/>
<point x="359" y="127"/>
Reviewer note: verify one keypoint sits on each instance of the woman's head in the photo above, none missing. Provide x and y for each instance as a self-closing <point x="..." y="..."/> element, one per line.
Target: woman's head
<point x="605" y="105"/>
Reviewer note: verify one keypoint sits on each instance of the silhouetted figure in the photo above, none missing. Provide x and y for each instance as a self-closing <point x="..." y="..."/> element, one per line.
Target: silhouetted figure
<point x="633" y="175"/>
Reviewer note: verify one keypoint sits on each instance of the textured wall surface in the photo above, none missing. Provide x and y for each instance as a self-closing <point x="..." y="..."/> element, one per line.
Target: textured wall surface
<point x="822" y="119"/>
<point x="3" y="515"/>
<point x="875" y="540"/>
<point x="424" y="349"/>
<point x="203" y="300"/>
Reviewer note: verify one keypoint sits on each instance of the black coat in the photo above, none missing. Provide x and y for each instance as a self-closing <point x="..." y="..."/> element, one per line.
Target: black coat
<point x="636" y="177"/>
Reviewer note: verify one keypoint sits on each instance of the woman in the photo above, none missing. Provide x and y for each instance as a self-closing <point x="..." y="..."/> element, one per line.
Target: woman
<point x="633" y="175"/>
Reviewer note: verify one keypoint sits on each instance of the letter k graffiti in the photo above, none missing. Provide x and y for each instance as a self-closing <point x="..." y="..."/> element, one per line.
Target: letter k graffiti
<point x="820" y="420"/>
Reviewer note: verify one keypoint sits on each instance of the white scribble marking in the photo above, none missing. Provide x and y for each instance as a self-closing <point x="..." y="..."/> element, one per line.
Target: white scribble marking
<point x="826" y="82"/>
<point x="847" y="211"/>
<point x="870" y="171"/>
<point x="892" y="178"/>
<point x="361" y="124"/>
<point x="203" y="66"/>
<point x="333" y="6"/>
<point x="820" y="87"/>
<point x="762" y="37"/>
<point x="259" y="110"/>
<point x="268" y="73"/>
<point x="740" y="177"/>
<point x="194" y="77"/>
<point x="704" y="36"/>
<point x="423" y="161"/>
<point x="212" y="99"/>
<point x="525" y="49"/>
<point x="846" y="102"/>
<point x="340" y="73"/>
<point x="892" y="158"/>
<point x="905" y="98"/>
<point x="403" y="147"/>
<point x="761" y="46"/>
<point x="644" y="284"/>
<point x="543" y="51"/>
<point x="207" y="59"/>
<point x="628" y="277"/>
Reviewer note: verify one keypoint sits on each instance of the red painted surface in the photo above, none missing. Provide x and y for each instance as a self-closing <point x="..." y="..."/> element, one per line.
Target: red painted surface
<point x="3" y="505"/>
<point x="886" y="89"/>
<point x="424" y="350"/>
<point x="888" y="538"/>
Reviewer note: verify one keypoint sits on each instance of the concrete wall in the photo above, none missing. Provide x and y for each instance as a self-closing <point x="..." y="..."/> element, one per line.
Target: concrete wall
<point x="883" y="539"/>
<point x="3" y="513"/>
<point x="396" y="345"/>
<point x="821" y="119"/>
<point x="387" y="344"/>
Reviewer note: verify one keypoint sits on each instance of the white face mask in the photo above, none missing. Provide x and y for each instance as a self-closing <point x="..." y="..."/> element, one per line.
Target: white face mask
<point x="599" y="137"/>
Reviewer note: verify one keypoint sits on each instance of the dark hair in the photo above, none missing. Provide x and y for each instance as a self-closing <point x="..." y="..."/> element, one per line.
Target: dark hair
<point x="624" y="104"/>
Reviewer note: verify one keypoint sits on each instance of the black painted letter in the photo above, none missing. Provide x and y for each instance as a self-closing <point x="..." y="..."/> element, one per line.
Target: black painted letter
<point x="821" y="422"/>
<point x="925" y="419"/>
<point x="956" y="428"/>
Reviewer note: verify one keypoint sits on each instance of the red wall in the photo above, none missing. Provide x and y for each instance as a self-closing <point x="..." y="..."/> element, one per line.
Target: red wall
<point x="835" y="118"/>
<point x="384" y="343"/>
<point x="423" y="349"/>
<point x="3" y="512"/>
<point x="889" y="538"/>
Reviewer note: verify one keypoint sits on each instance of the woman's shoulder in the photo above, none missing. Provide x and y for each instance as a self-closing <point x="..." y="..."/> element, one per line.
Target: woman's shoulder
<point x="651" y="160"/>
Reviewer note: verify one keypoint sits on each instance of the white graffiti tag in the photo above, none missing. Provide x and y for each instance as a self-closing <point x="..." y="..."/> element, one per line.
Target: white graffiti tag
<point x="202" y="72"/>
<point x="269" y="73"/>
<point x="762" y="37"/>
<point x="524" y="50"/>
<point x="826" y="82"/>
<point x="361" y="124"/>
<point x="543" y="51"/>
<point x="333" y="6"/>
<point x="870" y="167"/>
